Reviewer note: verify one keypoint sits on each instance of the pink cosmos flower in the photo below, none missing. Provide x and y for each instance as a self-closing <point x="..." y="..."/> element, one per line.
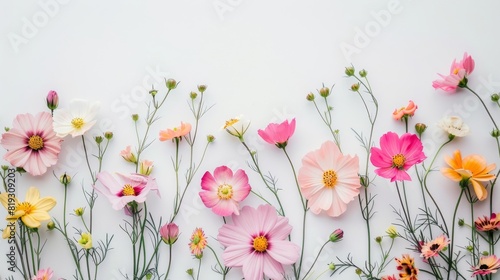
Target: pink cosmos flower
<point x="122" y="189"/>
<point x="396" y="155"/>
<point x="223" y="191"/>
<point x="128" y="155"/>
<point x="458" y="75"/>
<point x="31" y="143"/>
<point x="278" y="134"/>
<point x="487" y="265"/>
<point x="52" y="100"/>
<point x="257" y="242"/>
<point x="329" y="180"/>
<point x="169" y="233"/>
<point x="176" y="132"/>
<point x="43" y="274"/>
<point x="405" y="111"/>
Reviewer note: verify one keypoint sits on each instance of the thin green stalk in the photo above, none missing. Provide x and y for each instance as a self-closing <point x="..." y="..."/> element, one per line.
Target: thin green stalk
<point x="315" y="259"/>
<point x="453" y="234"/>
<point x="199" y="268"/>
<point x="169" y="260"/>
<point x="35" y="269"/>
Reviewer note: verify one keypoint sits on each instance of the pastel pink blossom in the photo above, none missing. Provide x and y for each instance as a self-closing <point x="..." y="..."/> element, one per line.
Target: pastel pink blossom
<point x="396" y="155"/>
<point x="458" y="75"/>
<point x="128" y="155"/>
<point x="43" y="274"/>
<point x="31" y="143"/>
<point x="176" y="132"/>
<point x="122" y="189"/>
<point x="169" y="233"/>
<point x="223" y="190"/>
<point x="329" y="180"/>
<point x="257" y="241"/>
<point x="278" y="134"/>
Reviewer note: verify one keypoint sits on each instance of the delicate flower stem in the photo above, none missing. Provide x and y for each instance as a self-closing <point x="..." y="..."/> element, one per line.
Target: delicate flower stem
<point x="199" y="268"/>
<point x="453" y="233"/>
<point x="315" y="259"/>
<point x="484" y="105"/>
<point x="169" y="260"/>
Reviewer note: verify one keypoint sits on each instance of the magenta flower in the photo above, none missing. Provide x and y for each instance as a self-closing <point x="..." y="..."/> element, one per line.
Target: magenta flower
<point x="123" y="189"/>
<point x="396" y="155"/>
<point x="223" y="191"/>
<point x="329" y="180"/>
<point x="278" y="134"/>
<point x="458" y="75"/>
<point x="257" y="241"/>
<point x="31" y="143"/>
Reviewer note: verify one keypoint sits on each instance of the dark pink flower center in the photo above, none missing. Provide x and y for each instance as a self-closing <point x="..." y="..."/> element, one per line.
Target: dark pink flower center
<point x="128" y="190"/>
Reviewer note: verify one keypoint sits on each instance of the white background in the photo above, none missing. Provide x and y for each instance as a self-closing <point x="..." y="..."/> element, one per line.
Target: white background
<point x="259" y="59"/>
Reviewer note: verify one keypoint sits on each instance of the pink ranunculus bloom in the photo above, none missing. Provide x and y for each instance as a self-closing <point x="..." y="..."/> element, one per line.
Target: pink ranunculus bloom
<point x="257" y="241"/>
<point x="176" y="132"/>
<point x="223" y="190"/>
<point x="128" y="155"/>
<point x="396" y="155"/>
<point x="408" y="111"/>
<point x="458" y="75"/>
<point x="43" y="274"/>
<point x="329" y="180"/>
<point x="278" y="134"/>
<point x="31" y="143"/>
<point x="122" y="189"/>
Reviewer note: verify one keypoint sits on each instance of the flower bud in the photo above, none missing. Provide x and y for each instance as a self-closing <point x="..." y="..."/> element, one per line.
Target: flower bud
<point x="324" y="91"/>
<point x="378" y="239"/>
<point x="358" y="271"/>
<point x="52" y="100"/>
<point x="169" y="233"/>
<point x="98" y="139"/>
<point x="193" y="95"/>
<point x="349" y="71"/>
<point x="108" y="135"/>
<point x="355" y="87"/>
<point x="65" y="179"/>
<point x="469" y="248"/>
<point x="420" y="128"/>
<point x="79" y="211"/>
<point x="135" y="117"/>
<point x="210" y="138"/>
<point x="310" y="96"/>
<point x="202" y="88"/>
<point x="495" y="97"/>
<point x="146" y="167"/>
<point x="461" y="222"/>
<point x="51" y="225"/>
<point x="363" y="73"/>
<point x="336" y="235"/>
<point x="5" y="167"/>
<point x="85" y="240"/>
<point x="485" y="253"/>
<point x="331" y="266"/>
<point x="153" y="92"/>
<point x="495" y="133"/>
<point x="128" y="155"/>
<point x="6" y="129"/>
<point x="171" y="84"/>
<point x="392" y="232"/>
<point x="190" y="272"/>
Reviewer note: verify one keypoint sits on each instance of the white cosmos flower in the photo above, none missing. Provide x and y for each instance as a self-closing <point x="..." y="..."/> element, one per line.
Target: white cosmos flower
<point x="75" y="120"/>
<point x="454" y="125"/>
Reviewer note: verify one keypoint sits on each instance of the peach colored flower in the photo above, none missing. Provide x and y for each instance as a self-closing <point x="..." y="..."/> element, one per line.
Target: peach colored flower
<point x="128" y="155"/>
<point x="407" y="111"/>
<point x="432" y="248"/>
<point x="491" y="223"/>
<point x="487" y="265"/>
<point x="176" y="132"/>
<point x="146" y="167"/>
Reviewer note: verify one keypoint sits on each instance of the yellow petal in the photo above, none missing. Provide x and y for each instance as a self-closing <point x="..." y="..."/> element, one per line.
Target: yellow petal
<point x="45" y="204"/>
<point x="479" y="189"/>
<point x="30" y="222"/>
<point x="33" y="195"/>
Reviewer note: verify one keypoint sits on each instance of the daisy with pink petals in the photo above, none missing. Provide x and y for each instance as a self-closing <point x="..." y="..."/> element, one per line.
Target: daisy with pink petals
<point x="396" y="155"/>
<point x="123" y="189"/>
<point x="223" y="190"/>
<point x="458" y="75"/>
<point x="31" y="143"/>
<point x="487" y="265"/>
<point x="329" y="180"/>
<point x="257" y="241"/>
<point x="278" y="134"/>
<point x="433" y="247"/>
<point x="43" y="274"/>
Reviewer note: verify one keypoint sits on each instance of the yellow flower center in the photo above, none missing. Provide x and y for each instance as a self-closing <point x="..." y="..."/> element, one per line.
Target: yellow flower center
<point x="35" y="142"/>
<point x="329" y="178"/>
<point x="77" y="123"/>
<point x="225" y="191"/>
<point x="455" y="71"/>
<point x="128" y="190"/>
<point x="230" y="123"/>
<point x="260" y="244"/>
<point x="26" y="207"/>
<point x="398" y="161"/>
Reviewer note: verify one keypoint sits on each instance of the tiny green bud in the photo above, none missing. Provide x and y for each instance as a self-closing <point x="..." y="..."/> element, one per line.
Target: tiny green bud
<point x="485" y="253"/>
<point x="6" y="129"/>
<point x="98" y="139"/>
<point x="324" y="91"/>
<point x="153" y="92"/>
<point x="210" y="138"/>
<point x="51" y="225"/>
<point x="171" y="84"/>
<point x="135" y="117"/>
<point x="331" y="266"/>
<point x="420" y="128"/>
<point x="202" y="88"/>
<point x="355" y="87"/>
<point x="149" y="276"/>
<point x="65" y="179"/>
<point x="378" y="239"/>
<point x="469" y="248"/>
<point x="190" y="271"/>
<point x="349" y="71"/>
<point x="5" y="167"/>
<point x="358" y="271"/>
<point x="363" y="73"/>
<point x="310" y="96"/>
<point x="108" y="135"/>
<point x="495" y="133"/>
<point x="461" y="222"/>
<point x="193" y="95"/>
<point x="79" y="211"/>
<point x="495" y="97"/>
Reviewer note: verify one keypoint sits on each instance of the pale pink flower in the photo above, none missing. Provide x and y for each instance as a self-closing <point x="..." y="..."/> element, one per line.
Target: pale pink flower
<point x="169" y="233"/>
<point x="128" y="155"/>
<point x="329" y="180"/>
<point x="408" y="111"/>
<point x="257" y="241"/>
<point x="396" y="155"/>
<point x="458" y="75"/>
<point x="122" y="189"/>
<point x="278" y="134"/>
<point x="43" y="274"/>
<point x="487" y="265"/>
<point x="176" y="132"/>
<point x="433" y="247"/>
<point x="75" y="120"/>
<point x="146" y="167"/>
<point x="31" y="143"/>
<point x="222" y="191"/>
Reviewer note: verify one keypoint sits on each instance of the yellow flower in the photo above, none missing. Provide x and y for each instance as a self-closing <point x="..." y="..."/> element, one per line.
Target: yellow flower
<point x="85" y="240"/>
<point x="32" y="211"/>
<point x="392" y="231"/>
<point x="470" y="169"/>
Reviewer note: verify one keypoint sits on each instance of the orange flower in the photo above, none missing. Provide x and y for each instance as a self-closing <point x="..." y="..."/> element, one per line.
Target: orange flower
<point x="470" y="169"/>
<point x="176" y="132"/>
<point x="406" y="267"/>
<point x="409" y="110"/>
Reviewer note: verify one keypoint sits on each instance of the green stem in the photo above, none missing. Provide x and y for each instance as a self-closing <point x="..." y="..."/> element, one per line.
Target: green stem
<point x="315" y="259"/>
<point x="169" y="260"/>
<point x="453" y="233"/>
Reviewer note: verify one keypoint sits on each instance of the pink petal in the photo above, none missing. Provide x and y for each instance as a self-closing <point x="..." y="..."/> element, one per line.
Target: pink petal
<point x="283" y="251"/>
<point x="253" y="269"/>
<point x="208" y="182"/>
<point x="236" y="255"/>
<point x="272" y="268"/>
